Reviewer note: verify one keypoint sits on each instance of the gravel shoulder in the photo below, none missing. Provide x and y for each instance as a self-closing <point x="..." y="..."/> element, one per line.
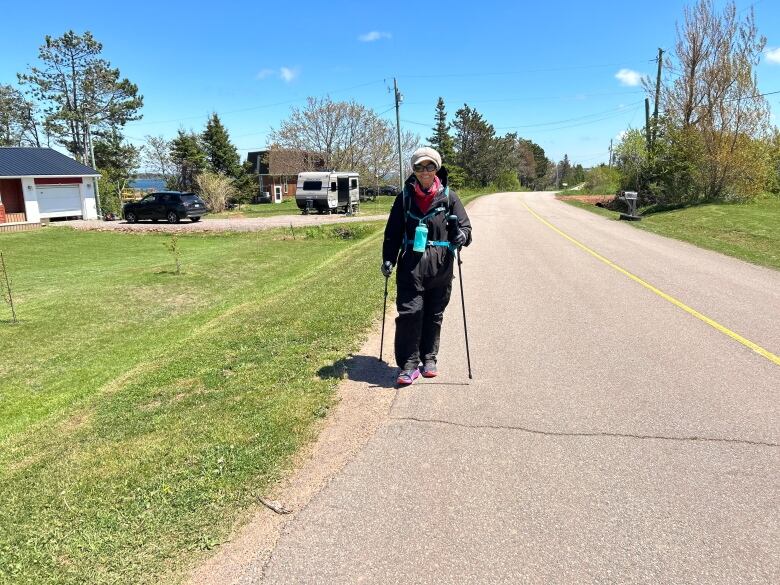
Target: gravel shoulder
<point x="218" y="225"/>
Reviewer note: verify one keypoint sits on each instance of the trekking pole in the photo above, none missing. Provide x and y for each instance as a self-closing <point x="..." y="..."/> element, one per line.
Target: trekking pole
<point x="384" y="313"/>
<point x="454" y="219"/>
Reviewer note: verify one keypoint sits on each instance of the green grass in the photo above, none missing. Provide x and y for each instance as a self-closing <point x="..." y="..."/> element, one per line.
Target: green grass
<point x="749" y="231"/>
<point x="380" y="206"/>
<point x="141" y="411"/>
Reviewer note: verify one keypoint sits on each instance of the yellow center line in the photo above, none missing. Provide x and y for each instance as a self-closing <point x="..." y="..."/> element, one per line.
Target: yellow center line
<point x="712" y="323"/>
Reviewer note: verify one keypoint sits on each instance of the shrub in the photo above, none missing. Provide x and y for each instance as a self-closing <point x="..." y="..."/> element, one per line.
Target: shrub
<point x="215" y="189"/>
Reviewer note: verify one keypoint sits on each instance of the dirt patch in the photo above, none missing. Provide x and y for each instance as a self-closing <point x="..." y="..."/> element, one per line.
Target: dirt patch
<point x="592" y="199"/>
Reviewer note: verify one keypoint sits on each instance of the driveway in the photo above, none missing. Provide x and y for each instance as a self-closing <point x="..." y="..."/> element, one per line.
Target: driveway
<point x="219" y="225"/>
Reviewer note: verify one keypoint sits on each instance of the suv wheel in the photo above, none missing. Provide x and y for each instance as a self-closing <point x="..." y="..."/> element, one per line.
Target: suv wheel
<point x="194" y="219"/>
<point x="173" y="217"/>
<point x="131" y="217"/>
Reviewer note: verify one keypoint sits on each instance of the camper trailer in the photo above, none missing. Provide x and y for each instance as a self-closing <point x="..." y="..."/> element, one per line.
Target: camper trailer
<point x="328" y="192"/>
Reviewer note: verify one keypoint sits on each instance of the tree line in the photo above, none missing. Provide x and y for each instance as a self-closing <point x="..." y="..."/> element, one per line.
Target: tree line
<point x="713" y="140"/>
<point x="75" y="99"/>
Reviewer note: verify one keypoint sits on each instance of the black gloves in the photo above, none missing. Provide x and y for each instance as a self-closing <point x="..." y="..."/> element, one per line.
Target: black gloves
<point x="460" y="238"/>
<point x="387" y="268"/>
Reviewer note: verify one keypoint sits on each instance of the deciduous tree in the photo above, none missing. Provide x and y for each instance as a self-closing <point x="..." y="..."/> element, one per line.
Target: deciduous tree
<point x="715" y="116"/>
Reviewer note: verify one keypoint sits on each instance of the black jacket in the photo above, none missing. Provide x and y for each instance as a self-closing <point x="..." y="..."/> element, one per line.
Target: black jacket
<point x="432" y="268"/>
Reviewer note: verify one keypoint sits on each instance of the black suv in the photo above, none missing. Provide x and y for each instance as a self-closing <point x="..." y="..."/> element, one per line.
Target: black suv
<point x="170" y="205"/>
<point x="370" y="193"/>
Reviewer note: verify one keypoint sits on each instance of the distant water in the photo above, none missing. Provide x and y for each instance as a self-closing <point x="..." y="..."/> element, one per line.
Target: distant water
<point x="148" y="184"/>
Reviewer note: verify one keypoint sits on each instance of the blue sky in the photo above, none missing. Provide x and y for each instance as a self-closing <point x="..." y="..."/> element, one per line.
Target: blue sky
<point x="550" y="71"/>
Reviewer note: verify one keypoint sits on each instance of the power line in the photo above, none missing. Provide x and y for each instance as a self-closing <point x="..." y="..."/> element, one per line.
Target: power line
<point x="522" y="99"/>
<point x="611" y="114"/>
<point x="259" y="107"/>
<point x="520" y="72"/>
<point x="620" y="109"/>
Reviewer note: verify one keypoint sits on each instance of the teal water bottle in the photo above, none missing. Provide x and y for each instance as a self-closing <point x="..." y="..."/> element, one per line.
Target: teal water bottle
<point x="420" y="238"/>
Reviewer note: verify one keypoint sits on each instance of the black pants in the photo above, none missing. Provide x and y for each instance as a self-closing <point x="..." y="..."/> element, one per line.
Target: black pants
<point x="418" y="326"/>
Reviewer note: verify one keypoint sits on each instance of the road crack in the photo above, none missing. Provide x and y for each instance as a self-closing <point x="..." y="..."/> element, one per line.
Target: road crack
<point x="586" y="434"/>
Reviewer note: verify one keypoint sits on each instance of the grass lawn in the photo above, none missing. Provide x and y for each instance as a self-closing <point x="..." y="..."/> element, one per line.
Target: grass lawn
<point x="749" y="231"/>
<point x="140" y="410"/>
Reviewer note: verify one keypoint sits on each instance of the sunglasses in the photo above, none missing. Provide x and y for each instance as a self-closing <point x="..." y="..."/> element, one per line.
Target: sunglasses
<point x="430" y="167"/>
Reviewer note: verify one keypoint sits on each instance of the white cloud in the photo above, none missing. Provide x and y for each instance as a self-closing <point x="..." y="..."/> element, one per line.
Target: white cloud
<point x="374" y="36"/>
<point x="288" y="74"/>
<point x="629" y="77"/>
<point x="773" y="55"/>
<point x="285" y="73"/>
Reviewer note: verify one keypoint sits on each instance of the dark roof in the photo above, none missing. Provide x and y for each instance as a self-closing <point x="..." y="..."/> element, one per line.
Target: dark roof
<point x="38" y="162"/>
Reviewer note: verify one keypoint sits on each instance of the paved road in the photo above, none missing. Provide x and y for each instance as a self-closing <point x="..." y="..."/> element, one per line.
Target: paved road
<point x="608" y="436"/>
<point x="250" y="224"/>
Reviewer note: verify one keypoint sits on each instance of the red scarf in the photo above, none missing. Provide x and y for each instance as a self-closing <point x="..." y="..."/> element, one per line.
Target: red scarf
<point x="424" y="197"/>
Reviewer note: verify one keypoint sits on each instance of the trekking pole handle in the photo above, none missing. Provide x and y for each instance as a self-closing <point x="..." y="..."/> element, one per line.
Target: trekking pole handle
<point x="452" y="223"/>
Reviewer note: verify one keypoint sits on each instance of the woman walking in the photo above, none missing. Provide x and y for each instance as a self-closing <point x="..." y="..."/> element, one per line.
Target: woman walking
<point x="427" y="225"/>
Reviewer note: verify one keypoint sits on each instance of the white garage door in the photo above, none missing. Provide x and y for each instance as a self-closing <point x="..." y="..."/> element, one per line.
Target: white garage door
<point x="59" y="200"/>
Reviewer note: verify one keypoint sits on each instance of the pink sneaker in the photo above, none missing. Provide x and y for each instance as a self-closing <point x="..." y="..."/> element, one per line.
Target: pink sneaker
<point x="407" y="377"/>
<point x="429" y="370"/>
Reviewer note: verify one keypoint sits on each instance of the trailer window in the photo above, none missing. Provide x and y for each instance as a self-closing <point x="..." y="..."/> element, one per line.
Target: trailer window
<point x="353" y="184"/>
<point x="312" y="185"/>
<point x="333" y="186"/>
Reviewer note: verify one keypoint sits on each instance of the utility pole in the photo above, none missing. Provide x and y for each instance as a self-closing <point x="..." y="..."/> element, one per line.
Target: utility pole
<point x="647" y="122"/>
<point x="398" y="99"/>
<point x="610" y="153"/>
<point x="657" y="93"/>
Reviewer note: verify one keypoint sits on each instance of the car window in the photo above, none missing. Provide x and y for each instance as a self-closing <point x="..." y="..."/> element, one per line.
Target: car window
<point x="148" y="198"/>
<point x="190" y="198"/>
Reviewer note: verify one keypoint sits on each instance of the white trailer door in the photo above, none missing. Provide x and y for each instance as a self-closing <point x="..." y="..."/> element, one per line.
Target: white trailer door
<point x="59" y="200"/>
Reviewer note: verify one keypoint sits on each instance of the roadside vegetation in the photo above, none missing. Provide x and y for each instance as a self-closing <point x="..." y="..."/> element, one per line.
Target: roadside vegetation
<point x="141" y="410"/>
<point x="707" y="165"/>
<point x="749" y="230"/>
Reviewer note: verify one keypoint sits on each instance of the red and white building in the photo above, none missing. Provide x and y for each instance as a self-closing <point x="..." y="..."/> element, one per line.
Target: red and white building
<point x="40" y="183"/>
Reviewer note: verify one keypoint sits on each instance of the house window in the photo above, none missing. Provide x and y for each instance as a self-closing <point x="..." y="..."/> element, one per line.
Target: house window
<point x="285" y="188"/>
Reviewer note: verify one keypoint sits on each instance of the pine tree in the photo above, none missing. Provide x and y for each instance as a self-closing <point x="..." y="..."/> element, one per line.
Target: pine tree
<point x="189" y="157"/>
<point x="441" y="139"/>
<point x="221" y="154"/>
<point x="474" y="141"/>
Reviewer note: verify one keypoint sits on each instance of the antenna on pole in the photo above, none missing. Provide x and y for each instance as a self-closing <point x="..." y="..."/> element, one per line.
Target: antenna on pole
<point x="398" y="99"/>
